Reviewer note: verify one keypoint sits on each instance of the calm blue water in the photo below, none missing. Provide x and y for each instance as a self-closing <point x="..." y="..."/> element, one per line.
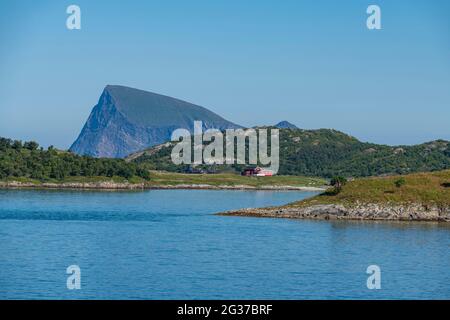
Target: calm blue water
<point x="168" y="245"/>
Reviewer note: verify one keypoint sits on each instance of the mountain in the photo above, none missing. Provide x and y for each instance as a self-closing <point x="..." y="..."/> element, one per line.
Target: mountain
<point x="327" y="153"/>
<point x="285" y="125"/>
<point x="126" y="120"/>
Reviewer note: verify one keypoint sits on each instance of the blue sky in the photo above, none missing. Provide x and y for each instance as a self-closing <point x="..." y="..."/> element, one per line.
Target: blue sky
<point x="313" y="63"/>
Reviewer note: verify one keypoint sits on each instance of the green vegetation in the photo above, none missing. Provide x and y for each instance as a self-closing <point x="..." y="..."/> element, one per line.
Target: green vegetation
<point x="328" y="153"/>
<point x="29" y="162"/>
<point x="231" y="179"/>
<point x="400" y="182"/>
<point x="78" y="179"/>
<point x="338" y="182"/>
<point x="165" y="179"/>
<point x="425" y="188"/>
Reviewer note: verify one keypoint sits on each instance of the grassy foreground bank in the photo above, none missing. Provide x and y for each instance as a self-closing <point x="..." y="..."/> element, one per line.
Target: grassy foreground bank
<point x="429" y="188"/>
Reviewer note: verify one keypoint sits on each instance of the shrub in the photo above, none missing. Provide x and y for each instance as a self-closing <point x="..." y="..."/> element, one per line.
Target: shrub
<point x="400" y="182"/>
<point x="338" y="182"/>
<point x="332" y="192"/>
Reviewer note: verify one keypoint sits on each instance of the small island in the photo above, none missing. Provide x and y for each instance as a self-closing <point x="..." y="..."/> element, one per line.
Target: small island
<point x="414" y="197"/>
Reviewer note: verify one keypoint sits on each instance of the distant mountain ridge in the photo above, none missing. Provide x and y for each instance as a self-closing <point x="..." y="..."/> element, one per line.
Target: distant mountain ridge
<point x="126" y="120"/>
<point x="327" y="153"/>
<point x="137" y="124"/>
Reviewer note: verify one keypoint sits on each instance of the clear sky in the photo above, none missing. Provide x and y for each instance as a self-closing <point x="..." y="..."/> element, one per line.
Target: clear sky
<point x="313" y="63"/>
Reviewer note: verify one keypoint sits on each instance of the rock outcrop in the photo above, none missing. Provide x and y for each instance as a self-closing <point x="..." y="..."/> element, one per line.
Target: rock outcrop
<point x="371" y="211"/>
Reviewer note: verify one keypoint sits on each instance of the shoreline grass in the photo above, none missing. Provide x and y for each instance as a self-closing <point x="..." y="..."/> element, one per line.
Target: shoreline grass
<point x="168" y="179"/>
<point x="229" y="179"/>
<point x="427" y="188"/>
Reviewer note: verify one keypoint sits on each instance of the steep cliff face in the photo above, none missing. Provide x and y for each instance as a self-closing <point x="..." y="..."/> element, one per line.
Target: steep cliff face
<point x="126" y="120"/>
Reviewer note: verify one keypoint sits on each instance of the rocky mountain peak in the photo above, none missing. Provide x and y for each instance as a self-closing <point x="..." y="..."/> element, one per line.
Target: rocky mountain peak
<point x="126" y="120"/>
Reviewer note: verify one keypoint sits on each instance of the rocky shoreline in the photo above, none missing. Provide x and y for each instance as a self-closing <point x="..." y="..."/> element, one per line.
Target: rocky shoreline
<point x="359" y="211"/>
<point x="104" y="185"/>
<point x="370" y="211"/>
<point x="109" y="185"/>
<point x="233" y="187"/>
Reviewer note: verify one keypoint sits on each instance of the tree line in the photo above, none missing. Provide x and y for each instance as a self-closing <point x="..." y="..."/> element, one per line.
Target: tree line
<point x="28" y="159"/>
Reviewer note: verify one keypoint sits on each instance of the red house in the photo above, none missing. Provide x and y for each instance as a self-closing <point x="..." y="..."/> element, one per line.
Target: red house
<point x="258" y="172"/>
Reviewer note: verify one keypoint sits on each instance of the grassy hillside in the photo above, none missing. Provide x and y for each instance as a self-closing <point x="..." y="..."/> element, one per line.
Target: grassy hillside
<point x="426" y="188"/>
<point x="328" y="153"/>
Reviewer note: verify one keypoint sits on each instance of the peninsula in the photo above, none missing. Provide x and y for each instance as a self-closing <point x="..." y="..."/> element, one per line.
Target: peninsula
<point x="414" y="197"/>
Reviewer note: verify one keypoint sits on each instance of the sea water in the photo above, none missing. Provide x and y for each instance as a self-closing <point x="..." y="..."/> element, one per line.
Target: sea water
<point x="168" y="244"/>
